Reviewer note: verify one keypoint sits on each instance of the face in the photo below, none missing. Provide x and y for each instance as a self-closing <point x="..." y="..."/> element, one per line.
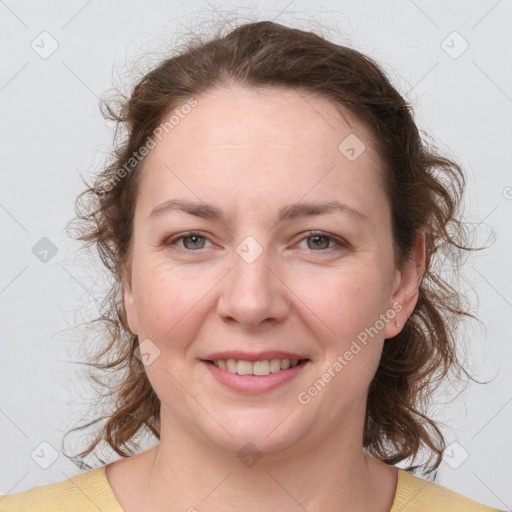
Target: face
<point x="254" y="233"/>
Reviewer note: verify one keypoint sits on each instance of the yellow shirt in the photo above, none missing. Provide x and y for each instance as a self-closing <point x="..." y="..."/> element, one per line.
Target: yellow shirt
<point x="91" y="492"/>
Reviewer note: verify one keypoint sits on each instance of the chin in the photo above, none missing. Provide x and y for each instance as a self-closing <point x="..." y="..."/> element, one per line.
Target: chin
<point x="265" y="431"/>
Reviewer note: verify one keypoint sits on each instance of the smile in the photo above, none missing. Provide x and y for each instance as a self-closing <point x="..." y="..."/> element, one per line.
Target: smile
<point x="255" y="377"/>
<point x="261" y="368"/>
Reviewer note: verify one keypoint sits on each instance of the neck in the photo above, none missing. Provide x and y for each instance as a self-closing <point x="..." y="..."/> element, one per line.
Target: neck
<point x="334" y="473"/>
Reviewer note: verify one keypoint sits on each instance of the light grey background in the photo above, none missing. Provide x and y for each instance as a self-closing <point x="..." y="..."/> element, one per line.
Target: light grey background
<point x="51" y="131"/>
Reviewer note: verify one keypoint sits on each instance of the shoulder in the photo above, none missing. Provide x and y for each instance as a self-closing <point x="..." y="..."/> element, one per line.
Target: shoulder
<point x="85" y="492"/>
<point x="414" y="494"/>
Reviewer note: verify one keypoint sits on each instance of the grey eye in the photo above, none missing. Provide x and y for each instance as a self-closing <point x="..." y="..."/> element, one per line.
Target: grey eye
<point x="318" y="242"/>
<point x="193" y="242"/>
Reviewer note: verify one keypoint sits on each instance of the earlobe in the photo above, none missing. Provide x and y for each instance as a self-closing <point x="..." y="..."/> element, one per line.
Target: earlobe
<point x="407" y="285"/>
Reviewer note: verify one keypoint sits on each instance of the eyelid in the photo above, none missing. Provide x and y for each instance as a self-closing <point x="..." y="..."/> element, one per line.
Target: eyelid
<point x="173" y="239"/>
<point x="339" y="242"/>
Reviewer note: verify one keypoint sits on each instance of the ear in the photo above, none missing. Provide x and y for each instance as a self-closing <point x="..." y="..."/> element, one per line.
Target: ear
<point x="406" y="286"/>
<point x="129" y="303"/>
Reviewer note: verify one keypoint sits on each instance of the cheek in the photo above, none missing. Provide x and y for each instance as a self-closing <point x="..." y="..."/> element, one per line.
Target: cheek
<point x="169" y="302"/>
<point x="350" y="304"/>
<point x="347" y="301"/>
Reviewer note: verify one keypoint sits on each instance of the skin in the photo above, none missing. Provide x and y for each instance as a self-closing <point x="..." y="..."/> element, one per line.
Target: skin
<point x="250" y="152"/>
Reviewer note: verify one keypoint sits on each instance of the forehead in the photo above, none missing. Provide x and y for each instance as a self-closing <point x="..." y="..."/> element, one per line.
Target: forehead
<point x="282" y="117"/>
<point x="269" y="142"/>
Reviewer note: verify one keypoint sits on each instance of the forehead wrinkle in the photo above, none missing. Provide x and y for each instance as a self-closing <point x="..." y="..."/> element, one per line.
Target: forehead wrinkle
<point x="248" y="144"/>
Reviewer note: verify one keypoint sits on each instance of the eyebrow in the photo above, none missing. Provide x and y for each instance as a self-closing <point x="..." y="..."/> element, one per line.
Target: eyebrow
<point x="286" y="213"/>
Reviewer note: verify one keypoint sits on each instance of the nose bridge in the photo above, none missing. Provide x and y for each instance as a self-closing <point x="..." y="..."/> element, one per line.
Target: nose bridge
<point x="252" y="294"/>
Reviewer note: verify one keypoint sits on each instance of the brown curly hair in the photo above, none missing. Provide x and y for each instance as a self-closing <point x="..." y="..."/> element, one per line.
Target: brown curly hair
<point x="424" y="190"/>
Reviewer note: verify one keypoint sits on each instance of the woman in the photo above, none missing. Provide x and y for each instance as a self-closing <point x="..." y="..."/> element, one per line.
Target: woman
<point x="271" y="221"/>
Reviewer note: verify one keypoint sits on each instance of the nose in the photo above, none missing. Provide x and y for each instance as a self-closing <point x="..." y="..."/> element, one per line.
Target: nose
<point x="253" y="294"/>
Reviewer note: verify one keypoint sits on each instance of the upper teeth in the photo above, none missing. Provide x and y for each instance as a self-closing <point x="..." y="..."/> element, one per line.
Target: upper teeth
<point x="264" y="367"/>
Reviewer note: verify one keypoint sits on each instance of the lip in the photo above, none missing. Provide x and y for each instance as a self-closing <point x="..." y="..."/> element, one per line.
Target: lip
<point x="254" y="384"/>
<point x="253" y="357"/>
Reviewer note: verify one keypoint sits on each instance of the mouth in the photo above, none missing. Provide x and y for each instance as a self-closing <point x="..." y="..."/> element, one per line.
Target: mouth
<point x="254" y="376"/>
<point x="259" y="368"/>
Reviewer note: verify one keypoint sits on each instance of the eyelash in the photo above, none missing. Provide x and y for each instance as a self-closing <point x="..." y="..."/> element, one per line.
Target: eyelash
<point x="339" y="243"/>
